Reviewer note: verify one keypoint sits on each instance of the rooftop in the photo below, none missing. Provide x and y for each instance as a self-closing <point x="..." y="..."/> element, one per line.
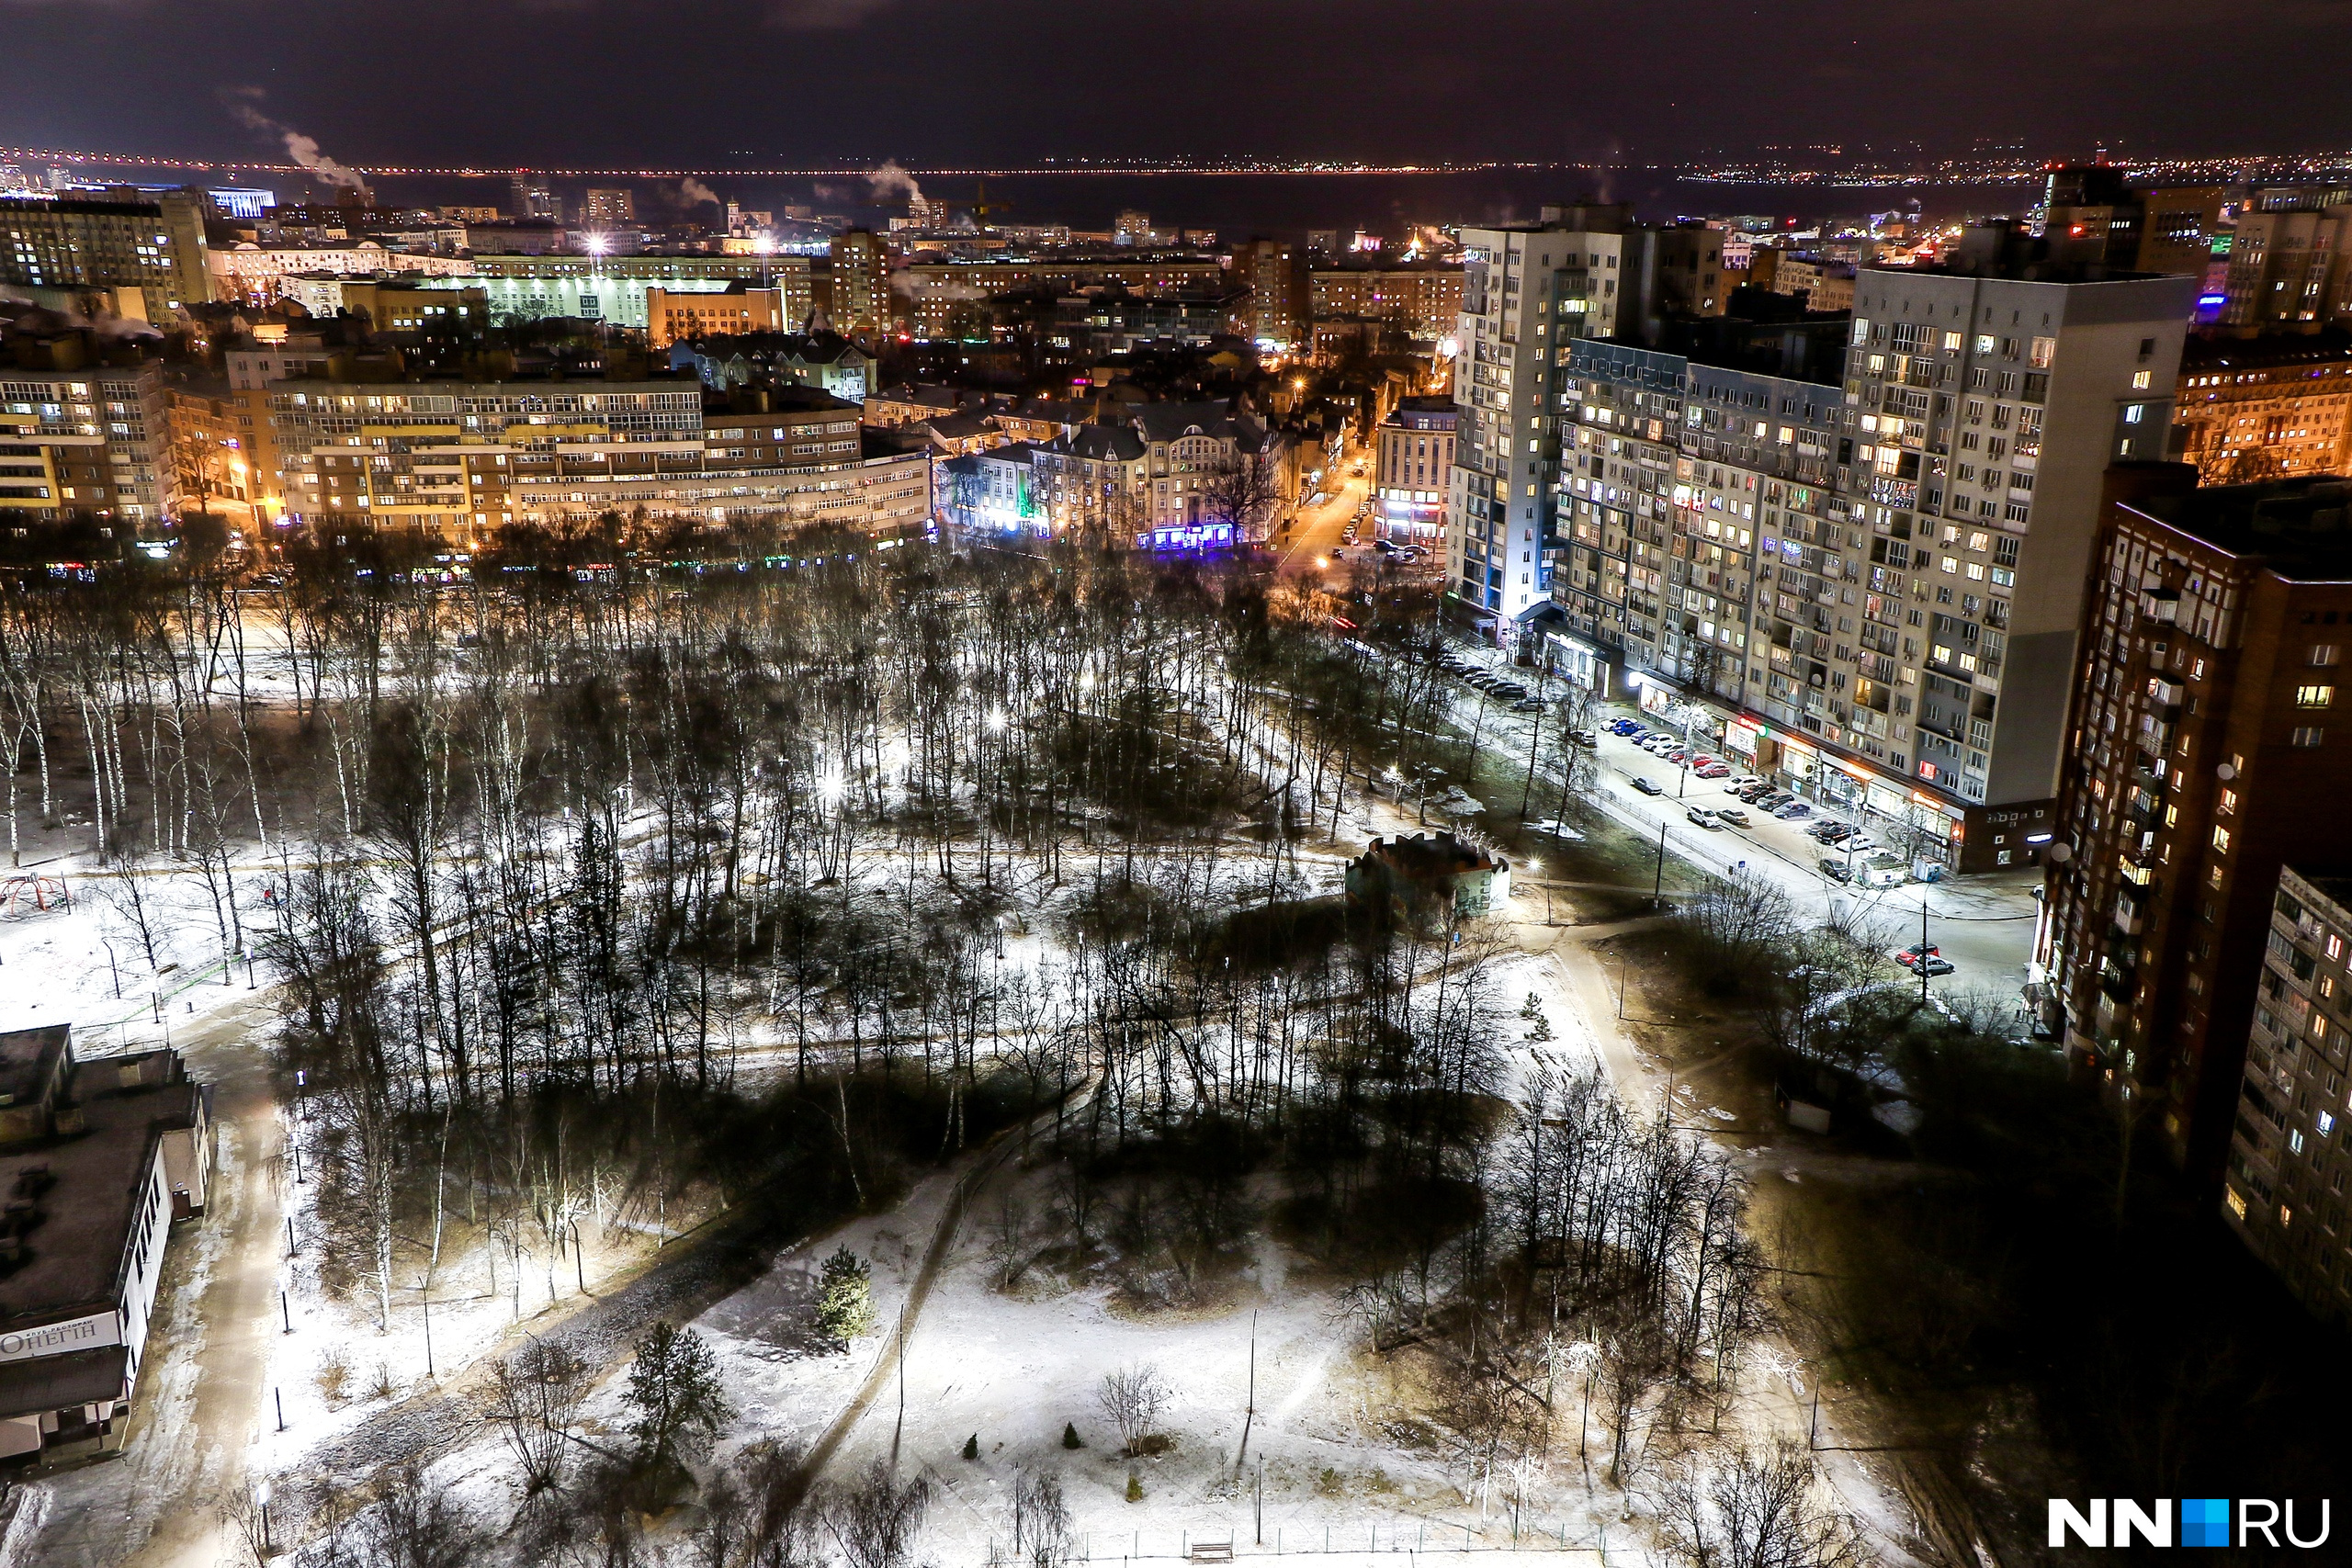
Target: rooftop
<point x="2267" y="351"/>
<point x="71" y="1197"/>
<point x="29" y="1060"/>
<point x="2299" y="528"/>
<point x="2335" y="887"/>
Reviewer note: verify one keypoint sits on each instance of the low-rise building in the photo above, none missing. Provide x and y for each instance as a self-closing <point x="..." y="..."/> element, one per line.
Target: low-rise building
<point x="739" y="308"/>
<point x="1428" y="878"/>
<point x="826" y="361"/>
<point x="260" y="275"/>
<point x="97" y="1158"/>
<point x="1412" y="467"/>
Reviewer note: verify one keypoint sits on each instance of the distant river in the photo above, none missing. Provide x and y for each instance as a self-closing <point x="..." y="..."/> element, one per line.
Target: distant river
<point x="1288" y="205"/>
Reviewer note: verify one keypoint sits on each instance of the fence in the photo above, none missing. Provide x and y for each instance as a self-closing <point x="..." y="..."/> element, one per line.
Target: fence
<point x="1433" y="1540"/>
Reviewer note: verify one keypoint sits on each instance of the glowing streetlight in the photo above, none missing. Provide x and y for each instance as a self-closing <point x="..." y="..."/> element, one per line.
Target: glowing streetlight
<point x="996" y="721"/>
<point x="831" y="786"/>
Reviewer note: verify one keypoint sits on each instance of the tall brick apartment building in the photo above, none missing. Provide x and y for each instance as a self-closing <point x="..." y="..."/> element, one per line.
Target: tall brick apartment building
<point x="2210" y="743"/>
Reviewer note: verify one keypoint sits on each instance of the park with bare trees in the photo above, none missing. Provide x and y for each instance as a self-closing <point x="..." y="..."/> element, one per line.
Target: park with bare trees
<point x="708" y="984"/>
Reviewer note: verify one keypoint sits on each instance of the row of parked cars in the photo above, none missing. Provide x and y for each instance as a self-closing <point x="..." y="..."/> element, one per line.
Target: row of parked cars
<point x="1502" y="688"/>
<point x="1668" y="747"/>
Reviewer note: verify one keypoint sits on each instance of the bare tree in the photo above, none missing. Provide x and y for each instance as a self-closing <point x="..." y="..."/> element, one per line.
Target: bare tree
<point x="1040" y="1521"/>
<point x="535" y="1396"/>
<point x="1134" y="1398"/>
<point x="1746" y="1508"/>
<point x="875" y="1520"/>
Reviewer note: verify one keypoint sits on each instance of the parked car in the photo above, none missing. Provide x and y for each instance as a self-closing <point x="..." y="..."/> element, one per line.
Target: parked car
<point x="1584" y="738"/>
<point x="1647" y="787"/>
<point x="1733" y="815"/>
<point x="1700" y="817"/>
<point x="1858" y="844"/>
<point x="1510" y="689"/>
<point x="1916" y="951"/>
<point x="1527" y="705"/>
<point x="1829" y="830"/>
<point x="1676" y="755"/>
<point x="1772" y="799"/>
<point x="1836" y="870"/>
<point x="1712" y="770"/>
<point x="1385" y="546"/>
<point x="1934" y="967"/>
<point x="1792" y="810"/>
<point x="1625" y="726"/>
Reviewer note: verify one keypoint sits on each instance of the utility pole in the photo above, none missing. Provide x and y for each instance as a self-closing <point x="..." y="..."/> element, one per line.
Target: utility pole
<point x="1923" y="947"/>
<point x="1657" y="889"/>
<point x="900" y="1430"/>
<point x="1250" y="1414"/>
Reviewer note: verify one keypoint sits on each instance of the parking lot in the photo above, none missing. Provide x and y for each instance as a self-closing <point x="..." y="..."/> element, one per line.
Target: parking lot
<point x="1982" y="924"/>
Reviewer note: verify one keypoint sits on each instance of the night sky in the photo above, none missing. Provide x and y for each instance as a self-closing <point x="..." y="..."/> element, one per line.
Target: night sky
<point x="729" y="82"/>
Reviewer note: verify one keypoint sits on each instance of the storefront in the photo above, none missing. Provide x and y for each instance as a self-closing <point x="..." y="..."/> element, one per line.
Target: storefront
<point x="1572" y="658"/>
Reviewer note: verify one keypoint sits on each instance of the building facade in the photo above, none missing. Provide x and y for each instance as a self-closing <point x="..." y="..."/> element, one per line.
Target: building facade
<point x="2202" y="729"/>
<point x="1274" y="272"/>
<point x="452" y="454"/>
<point x="1413" y="470"/>
<point x="2287" y="271"/>
<point x="738" y="308"/>
<point x="259" y="274"/>
<point x="1426" y="297"/>
<point x="2268" y="406"/>
<point x="2283" y="1191"/>
<point x="1526" y="291"/>
<point x="616" y="289"/>
<point x="861" y="286"/>
<point x="94" y="441"/>
<point x="145" y="257"/>
<point x="97" y="1159"/>
<point x="1873" y="584"/>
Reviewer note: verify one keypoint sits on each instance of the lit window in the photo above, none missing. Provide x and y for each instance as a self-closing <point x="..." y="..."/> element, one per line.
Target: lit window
<point x="2314" y="696"/>
<point x="2222" y="839"/>
<point x="2334" y="948"/>
<point x="2142" y="380"/>
<point x="2326" y="1123"/>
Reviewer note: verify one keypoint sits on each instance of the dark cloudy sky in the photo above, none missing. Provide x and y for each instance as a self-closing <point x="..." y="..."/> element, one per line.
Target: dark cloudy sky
<point x="715" y="81"/>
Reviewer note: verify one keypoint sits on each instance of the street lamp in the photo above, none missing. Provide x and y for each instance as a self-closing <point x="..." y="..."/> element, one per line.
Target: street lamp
<point x="261" y="1495"/>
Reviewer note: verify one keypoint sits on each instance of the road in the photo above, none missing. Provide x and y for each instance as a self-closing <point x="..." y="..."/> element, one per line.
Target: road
<point x="198" y="1405"/>
<point x="1983" y="924"/>
<point x="1318" y="531"/>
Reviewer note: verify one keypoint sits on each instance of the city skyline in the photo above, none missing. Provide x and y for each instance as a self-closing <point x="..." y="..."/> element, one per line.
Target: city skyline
<point x="870" y="79"/>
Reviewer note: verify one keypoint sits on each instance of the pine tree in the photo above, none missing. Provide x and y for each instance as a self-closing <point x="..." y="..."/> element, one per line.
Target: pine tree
<point x="844" y="1299"/>
<point x="1134" y="1487"/>
<point x="674" y="1395"/>
<point x="1071" y="1438"/>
